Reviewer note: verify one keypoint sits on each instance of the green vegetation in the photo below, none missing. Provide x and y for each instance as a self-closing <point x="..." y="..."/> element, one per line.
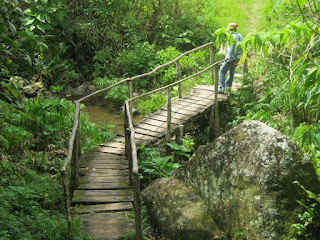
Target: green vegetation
<point x="64" y="43"/>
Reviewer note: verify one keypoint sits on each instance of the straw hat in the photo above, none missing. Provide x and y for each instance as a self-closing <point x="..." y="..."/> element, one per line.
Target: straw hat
<point x="232" y="26"/>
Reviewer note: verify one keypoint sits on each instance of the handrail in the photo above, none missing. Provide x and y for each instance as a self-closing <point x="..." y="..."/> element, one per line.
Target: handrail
<point x="73" y="156"/>
<point x="146" y="74"/>
<point x="131" y="151"/>
<point x="74" y="149"/>
<point x="175" y="83"/>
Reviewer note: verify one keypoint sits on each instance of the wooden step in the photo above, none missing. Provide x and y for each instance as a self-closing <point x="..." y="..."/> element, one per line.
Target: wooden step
<point x="102" y="208"/>
<point x="107" y="226"/>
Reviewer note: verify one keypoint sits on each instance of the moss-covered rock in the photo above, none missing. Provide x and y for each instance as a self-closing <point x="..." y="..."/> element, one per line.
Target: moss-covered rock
<point x="177" y="211"/>
<point x="245" y="179"/>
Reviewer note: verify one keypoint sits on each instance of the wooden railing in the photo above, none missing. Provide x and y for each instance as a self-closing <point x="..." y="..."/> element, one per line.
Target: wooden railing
<point x="74" y="149"/>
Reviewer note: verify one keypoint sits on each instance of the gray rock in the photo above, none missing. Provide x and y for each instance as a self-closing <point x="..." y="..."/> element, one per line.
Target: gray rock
<point x="92" y="88"/>
<point x="178" y="212"/>
<point x="79" y="92"/>
<point x="29" y="91"/>
<point x="245" y="179"/>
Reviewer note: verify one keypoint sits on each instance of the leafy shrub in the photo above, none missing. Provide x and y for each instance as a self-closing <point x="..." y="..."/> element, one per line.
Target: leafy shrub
<point x="153" y="166"/>
<point x="117" y="95"/>
<point x="138" y="59"/>
<point x="151" y="103"/>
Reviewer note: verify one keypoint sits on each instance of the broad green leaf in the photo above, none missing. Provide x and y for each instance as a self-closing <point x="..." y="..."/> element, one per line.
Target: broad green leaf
<point x="275" y="39"/>
<point x="41" y="27"/>
<point x="28" y="59"/>
<point x="41" y="18"/>
<point x="5" y="142"/>
<point x="12" y="28"/>
<point x="244" y="57"/>
<point x="30" y="21"/>
<point x="10" y="42"/>
<point x="301" y="3"/>
<point x="60" y="15"/>
<point x="14" y="93"/>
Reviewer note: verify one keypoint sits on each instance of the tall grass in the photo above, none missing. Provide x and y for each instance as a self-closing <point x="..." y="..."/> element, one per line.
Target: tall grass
<point x="249" y="14"/>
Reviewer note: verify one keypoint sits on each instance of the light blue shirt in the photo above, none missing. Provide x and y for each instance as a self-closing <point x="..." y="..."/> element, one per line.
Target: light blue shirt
<point x="234" y="52"/>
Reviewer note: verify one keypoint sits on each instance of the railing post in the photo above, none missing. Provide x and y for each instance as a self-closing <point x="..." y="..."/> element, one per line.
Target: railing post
<point x="128" y="147"/>
<point x="211" y="62"/>
<point x="130" y="94"/>
<point x="68" y="204"/>
<point x="168" y="135"/>
<point x="216" y="107"/>
<point x="178" y="78"/>
<point x="74" y="183"/>
<point x="137" y="205"/>
<point x="245" y="66"/>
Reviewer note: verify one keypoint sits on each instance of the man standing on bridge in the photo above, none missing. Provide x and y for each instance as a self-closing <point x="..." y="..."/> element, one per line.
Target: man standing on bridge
<point x="232" y="59"/>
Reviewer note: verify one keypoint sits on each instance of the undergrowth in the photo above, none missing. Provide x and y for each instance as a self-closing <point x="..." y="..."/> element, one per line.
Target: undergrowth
<point x="33" y="139"/>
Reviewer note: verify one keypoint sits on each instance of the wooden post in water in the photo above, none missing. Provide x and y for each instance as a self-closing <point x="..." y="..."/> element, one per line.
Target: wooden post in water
<point x="168" y="135"/>
<point x="178" y="78"/>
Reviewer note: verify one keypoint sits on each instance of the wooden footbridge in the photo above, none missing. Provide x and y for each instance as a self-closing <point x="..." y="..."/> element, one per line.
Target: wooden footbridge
<point x="104" y="186"/>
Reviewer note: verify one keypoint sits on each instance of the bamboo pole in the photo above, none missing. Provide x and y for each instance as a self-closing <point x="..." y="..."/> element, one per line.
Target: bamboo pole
<point x="178" y="78"/>
<point x="168" y="135"/>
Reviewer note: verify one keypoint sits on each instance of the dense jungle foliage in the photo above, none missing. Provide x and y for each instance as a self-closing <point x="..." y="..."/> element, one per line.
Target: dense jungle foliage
<point x="63" y="43"/>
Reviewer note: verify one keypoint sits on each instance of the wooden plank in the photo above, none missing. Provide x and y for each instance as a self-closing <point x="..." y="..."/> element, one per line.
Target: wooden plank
<point x="101" y="199"/>
<point x="104" y="185"/>
<point x="105" y="156"/>
<point x="107" y="226"/>
<point x="140" y="137"/>
<point x="113" y="144"/>
<point x="181" y="107"/>
<point x="108" y="150"/>
<point x="204" y="87"/>
<point x="158" y="123"/>
<point x="194" y="105"/>
<point x="164" y="119"/>
<point x="148" y="132"/>
<point x="199" y="100"/>
<point x="150" y="127"/>
<point x="102" y="208"/>
<point x="104" y="166"/>
<point x="113" y="192"/>
<point x="176" y="115"/>
<point x="105" y="172"/>
<point x="105" y="179"/>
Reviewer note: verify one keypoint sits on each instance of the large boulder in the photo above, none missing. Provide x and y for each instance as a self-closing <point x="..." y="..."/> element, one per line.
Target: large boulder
<point x="177" y="212"/>
<point x="245" y="179"/>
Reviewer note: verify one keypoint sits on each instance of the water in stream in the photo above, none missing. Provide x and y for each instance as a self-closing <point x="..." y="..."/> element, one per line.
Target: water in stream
<point x="101" y="113"/>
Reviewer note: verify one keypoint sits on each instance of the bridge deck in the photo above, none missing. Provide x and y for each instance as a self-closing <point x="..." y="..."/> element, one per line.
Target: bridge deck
<point x="104" y="197"/>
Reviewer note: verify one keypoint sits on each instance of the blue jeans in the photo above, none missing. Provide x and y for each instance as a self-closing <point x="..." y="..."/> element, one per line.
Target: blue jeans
<point x="226" y="67"/>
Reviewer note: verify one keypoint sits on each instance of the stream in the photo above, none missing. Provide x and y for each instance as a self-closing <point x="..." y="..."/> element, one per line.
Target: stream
<point x="102" y="113"/>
